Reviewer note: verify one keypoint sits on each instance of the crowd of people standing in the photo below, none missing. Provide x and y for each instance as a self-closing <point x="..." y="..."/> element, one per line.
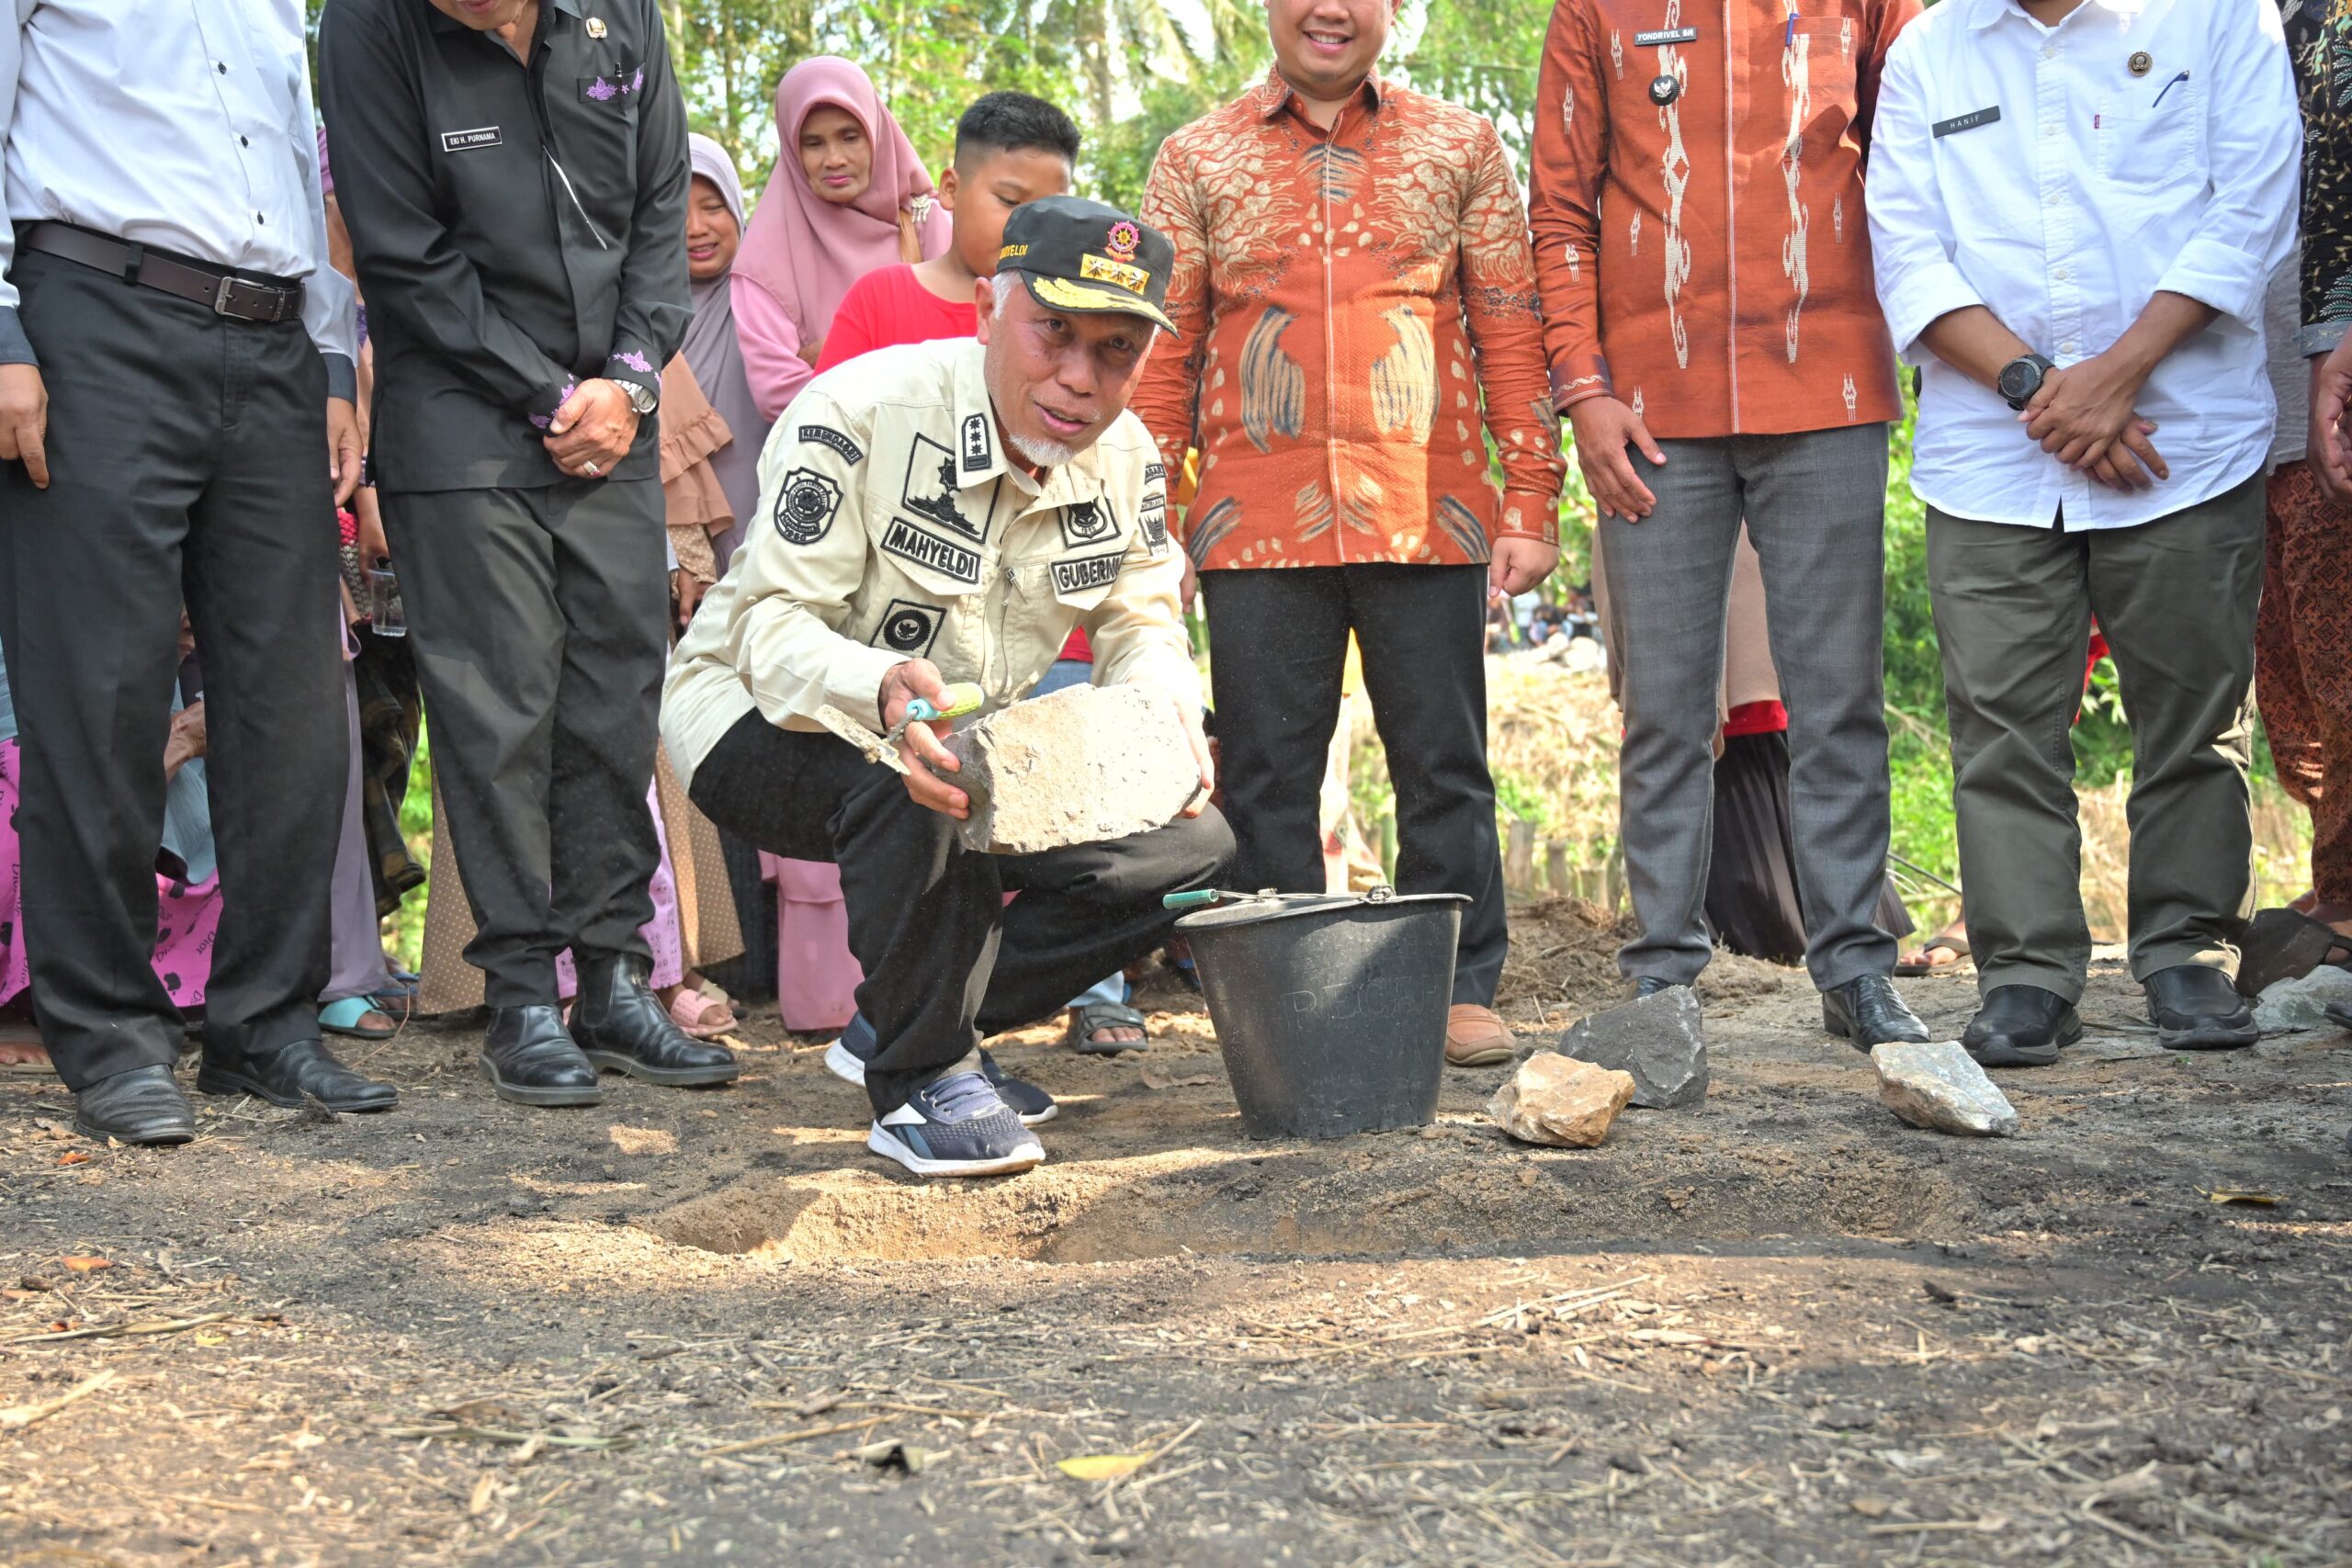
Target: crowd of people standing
<point x="578" y="400"/>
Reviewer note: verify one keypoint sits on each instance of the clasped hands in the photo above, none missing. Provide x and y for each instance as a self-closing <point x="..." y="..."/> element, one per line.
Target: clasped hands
<point x="2084" y="416"/>
<point x="593" y="430"/>
<point x="920" y="749"/>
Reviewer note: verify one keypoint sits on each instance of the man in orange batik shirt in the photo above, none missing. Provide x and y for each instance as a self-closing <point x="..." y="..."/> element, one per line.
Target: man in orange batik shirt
<point x="1356" y="299"/>
<point x="1716" y="339"/>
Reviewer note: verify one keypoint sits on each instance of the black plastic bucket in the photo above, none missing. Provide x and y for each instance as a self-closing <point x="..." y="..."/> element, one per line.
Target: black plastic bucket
<point x="1331" y="1011"/>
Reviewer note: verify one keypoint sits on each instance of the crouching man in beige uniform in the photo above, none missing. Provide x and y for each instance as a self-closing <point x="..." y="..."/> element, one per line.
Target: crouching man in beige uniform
<point x="948" y="512"/>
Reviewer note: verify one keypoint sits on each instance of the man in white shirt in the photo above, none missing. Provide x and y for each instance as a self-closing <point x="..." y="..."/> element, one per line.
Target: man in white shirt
<point x="174" y="362"/>
<point x="2075" y="207"/>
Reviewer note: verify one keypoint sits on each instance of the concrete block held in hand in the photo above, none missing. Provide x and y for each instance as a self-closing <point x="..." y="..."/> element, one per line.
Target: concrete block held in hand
<point x="1082" y="766"/>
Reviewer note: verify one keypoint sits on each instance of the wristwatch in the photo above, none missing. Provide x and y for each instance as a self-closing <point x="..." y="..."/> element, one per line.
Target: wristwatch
<point x="2021" y="378"/>
<point x="643" y="397"/>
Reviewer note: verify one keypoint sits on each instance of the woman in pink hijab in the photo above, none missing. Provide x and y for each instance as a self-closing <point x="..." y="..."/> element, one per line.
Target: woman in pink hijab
<point x="848" y="196"/>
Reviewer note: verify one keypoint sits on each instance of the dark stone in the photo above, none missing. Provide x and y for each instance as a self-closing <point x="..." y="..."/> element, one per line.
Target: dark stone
<point x="1658" y="1040"/>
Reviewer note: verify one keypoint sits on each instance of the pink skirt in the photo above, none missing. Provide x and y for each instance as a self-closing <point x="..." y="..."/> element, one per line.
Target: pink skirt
<point x="187" y="914"/>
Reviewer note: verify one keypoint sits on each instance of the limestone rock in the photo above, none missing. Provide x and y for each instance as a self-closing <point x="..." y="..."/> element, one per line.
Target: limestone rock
<point x="2302" y="1004"/>
<point x="1553" y="1099"/>
<point x="1940" y="1087"/>
<point x="1658" y="1040"/>
<point x="1085" y="764"/>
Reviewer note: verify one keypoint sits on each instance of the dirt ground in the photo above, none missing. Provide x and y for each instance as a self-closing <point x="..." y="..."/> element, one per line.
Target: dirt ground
<point x="1781" y="1327"/>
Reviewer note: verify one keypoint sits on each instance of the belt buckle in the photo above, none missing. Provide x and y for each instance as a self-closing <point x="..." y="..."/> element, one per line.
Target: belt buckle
<point x="221" y="296"/>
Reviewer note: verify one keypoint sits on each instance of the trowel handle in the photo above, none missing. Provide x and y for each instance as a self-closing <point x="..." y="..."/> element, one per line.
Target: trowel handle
<point x="1192" y="900"/>
<point x="963" y="697"/>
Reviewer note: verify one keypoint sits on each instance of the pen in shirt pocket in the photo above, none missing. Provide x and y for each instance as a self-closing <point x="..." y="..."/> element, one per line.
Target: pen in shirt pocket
<point x="2169" y="87"/>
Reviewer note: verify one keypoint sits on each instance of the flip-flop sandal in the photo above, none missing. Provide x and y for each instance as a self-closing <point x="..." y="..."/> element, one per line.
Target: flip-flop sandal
<point x="1956" y="945"/>
<point x="1088" y="1021"/>
<point x="26" y="1056"/>
<point x="700" y="1017"/>
<point x="349" y="1017"/>
<point x="2285" y="945"/>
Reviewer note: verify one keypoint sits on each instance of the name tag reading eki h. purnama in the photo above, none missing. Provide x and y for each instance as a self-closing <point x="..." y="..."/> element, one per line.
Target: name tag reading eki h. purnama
<point x="467" y="141"/>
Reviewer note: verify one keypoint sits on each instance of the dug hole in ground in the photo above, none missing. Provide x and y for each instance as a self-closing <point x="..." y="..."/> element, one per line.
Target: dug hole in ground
<point x="1778" y="1326"/>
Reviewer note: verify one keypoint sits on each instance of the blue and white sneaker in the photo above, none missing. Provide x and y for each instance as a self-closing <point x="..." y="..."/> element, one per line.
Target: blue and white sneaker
<point x="845" y="1060"/>
<point x="846" y="1057"/>
<point x="957" y="1126"/>
<point x="1029" y="1102"/>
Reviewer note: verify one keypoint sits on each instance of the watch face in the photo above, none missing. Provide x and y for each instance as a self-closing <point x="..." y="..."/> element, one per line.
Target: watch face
<point x="2020" y="379"/>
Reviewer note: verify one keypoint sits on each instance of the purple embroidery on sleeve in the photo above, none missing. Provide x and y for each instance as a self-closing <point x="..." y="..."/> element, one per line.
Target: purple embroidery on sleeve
<point x="635" y="361"/>
<point x="602" y="91"/>
<point x="544" y="420"/>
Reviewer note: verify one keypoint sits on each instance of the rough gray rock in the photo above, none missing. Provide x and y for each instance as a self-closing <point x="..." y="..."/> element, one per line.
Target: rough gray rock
<point x="1553" y="1099"/>
<point x="2302" y="1004"/>
<point x="1659" y="1040"/>
<point x="1940" y="1087"/>
<point x="1086" y="764"/>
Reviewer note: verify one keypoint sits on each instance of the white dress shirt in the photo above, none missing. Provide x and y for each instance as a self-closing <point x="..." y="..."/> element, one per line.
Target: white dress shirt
<point x="2140" y="145"/>
<point x="184" y="125"/>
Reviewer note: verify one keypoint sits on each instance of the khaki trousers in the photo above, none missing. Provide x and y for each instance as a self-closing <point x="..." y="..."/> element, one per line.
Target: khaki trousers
<point x="2177" y="600"/>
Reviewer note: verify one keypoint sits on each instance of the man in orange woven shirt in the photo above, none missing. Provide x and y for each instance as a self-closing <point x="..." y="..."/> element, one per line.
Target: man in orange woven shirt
<point x="1714" y="337"/>
<point x="1358" y="309"/>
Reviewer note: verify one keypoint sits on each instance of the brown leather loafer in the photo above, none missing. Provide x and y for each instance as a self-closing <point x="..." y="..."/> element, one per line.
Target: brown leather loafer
<point x="1475" y="1037"/>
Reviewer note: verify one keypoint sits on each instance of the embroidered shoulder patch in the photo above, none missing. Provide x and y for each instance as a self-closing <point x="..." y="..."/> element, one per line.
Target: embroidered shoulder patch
<point x="977" y="449"/>
<point x="928" y="550"/>
<point x="1086" y="573"/>
<point x="1153" y="520"/>
<point x="910" y="627"/>
<point x="826" y="436"/>
<point x="805" y="505"/>
<point x="1154" y="473"/>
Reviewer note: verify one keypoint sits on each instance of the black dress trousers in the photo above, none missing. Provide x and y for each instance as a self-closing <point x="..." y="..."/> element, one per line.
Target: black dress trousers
<point x="1278" y="643"/>
<point x="948" y="962"/>
<point x="540" y="618"/>
<point x="188" y="465"/>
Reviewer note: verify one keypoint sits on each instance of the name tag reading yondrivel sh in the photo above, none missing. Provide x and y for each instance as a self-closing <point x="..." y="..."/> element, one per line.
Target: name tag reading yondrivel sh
<point x="1968" y="122"/>
<point x="1666" y="35"/>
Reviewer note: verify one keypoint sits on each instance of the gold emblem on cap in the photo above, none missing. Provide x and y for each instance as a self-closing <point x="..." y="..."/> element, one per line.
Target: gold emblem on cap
<point x="595" y="27"/>
<point x="2139" y="64"/>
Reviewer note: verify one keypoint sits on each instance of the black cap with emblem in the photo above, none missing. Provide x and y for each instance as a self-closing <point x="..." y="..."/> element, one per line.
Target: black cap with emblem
<point x="1081" y="256"/>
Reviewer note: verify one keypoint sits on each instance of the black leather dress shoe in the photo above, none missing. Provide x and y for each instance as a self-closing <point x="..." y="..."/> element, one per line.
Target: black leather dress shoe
<point x="530" y="1060"/>
<point x="294" y="1075"/>
<point x="2194" y="1008"/>
<point x="621" y="1025"/>
<point x="2021" y="1026"/>
<point x="143" y="1105"/>
<point x="1868" y="1011"/>
<point x="1650" y="985"/>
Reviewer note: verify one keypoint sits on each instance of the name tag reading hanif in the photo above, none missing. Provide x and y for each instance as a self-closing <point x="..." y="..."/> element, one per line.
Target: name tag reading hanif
<point x="1968" y="122"/>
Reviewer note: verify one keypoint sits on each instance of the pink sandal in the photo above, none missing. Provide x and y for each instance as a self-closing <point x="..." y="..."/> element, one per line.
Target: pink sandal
<point x="703" y="1018"/>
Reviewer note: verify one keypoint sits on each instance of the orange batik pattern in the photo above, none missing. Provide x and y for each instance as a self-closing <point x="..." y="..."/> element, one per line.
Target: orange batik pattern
<point x="1358" y="314"/>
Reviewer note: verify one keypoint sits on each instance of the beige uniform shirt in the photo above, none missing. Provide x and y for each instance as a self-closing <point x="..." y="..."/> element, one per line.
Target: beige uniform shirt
<point x="891" y="527"/>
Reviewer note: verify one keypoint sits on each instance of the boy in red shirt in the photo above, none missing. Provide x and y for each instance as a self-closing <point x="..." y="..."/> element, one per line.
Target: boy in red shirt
<point x="1010" y="149"/>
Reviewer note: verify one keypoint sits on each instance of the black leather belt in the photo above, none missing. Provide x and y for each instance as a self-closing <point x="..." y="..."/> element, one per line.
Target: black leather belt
<point x="220" y="290"/>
